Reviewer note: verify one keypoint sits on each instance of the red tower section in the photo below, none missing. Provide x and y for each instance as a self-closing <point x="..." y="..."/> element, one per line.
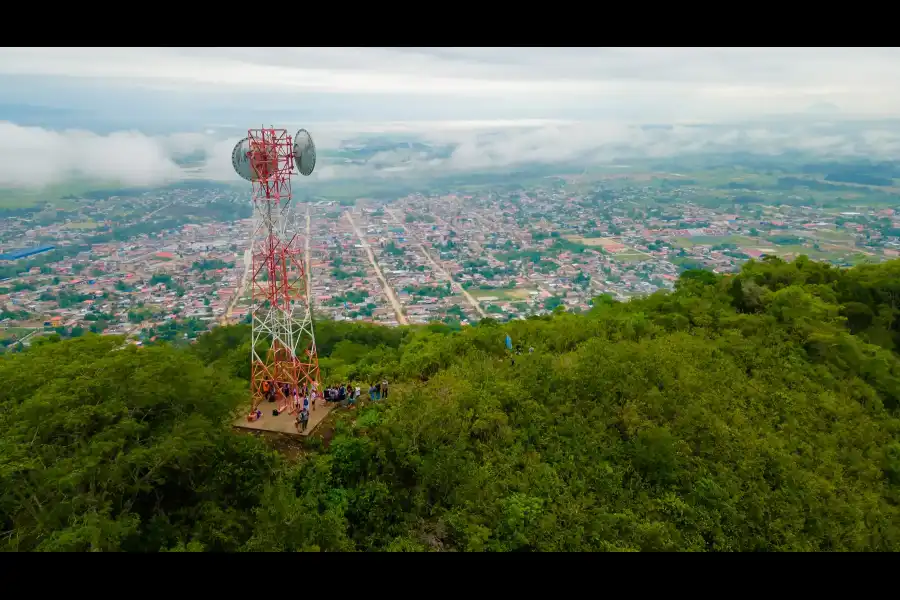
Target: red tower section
<point x="283" y="357"/>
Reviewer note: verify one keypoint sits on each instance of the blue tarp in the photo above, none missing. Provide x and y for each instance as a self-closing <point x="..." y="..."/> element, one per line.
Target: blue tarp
<point x="23" y="252"/>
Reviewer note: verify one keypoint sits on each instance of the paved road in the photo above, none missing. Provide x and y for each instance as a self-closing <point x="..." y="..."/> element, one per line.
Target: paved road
<point x="308" y="259"/>
<point x="29" y="336"/>
<point x="388" y="290"/>
<point x="245" y="280"/>
<point x="453" y="285"/>
<point x="141" y="257"/>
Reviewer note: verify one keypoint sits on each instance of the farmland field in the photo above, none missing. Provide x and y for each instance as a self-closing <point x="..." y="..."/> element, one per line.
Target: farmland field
<point x="627" y="255"/>
<point x="81" y="225"/>
<point x="850" y="255"/>
<point x="631" y="256"/>
<point x="502" y="295"/>
<point x="18" y="332"/>
<point x="712" y="240"/>
<point x="831" y="236"/>
<point x="52" y="194"/>
<point x="587" y="241"/>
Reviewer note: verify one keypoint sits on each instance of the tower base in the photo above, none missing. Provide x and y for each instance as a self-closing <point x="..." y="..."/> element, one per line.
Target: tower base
<point x="285" y="421"/>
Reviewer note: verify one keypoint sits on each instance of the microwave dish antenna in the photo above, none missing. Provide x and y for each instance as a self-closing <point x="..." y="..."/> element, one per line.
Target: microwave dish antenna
<point x="304" y="153"/>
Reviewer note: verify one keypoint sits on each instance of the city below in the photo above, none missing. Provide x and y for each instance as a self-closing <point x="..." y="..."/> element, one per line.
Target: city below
<point x="170" y="264"/>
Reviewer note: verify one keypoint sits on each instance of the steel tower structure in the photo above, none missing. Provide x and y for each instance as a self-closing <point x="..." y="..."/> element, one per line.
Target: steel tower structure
<point x="283" y="351"/>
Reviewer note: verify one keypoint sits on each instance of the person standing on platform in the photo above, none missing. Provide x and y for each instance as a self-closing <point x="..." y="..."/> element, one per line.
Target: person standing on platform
<point x="302" y="420"/>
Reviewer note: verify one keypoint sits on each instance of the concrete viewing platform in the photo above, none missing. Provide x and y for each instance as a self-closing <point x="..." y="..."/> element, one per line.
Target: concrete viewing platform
<point x="285" y="421"/>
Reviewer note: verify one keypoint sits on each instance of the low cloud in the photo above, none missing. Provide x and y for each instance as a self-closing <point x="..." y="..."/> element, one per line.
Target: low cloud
<point x="34" y="157"/>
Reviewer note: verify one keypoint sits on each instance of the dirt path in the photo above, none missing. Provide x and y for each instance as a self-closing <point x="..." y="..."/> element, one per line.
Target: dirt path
<point x="388" y="290"/>
<point x="148" y="215"/>
<point x="30" y="335"/>
<point x="437" y="267"/>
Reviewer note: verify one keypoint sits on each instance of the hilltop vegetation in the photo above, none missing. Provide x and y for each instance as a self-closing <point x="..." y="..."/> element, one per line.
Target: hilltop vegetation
<point x="753" y="412"/>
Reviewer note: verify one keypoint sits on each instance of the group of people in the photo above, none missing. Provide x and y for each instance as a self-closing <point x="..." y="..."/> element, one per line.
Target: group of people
<point x="303" y="397"/>
<point x="518" y="352"/>
<point x="348" y="394"/>
<point x="379" y="390"/>
<point x="344" y="393"/>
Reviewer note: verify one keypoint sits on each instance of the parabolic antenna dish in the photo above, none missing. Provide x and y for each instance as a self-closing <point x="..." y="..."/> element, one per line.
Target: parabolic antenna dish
<point x="304" y="152"/>
<point x="252" y="162"/>
<point x="240" y="159"/>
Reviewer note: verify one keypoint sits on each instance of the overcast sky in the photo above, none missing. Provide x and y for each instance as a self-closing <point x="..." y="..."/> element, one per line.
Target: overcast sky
<point x="575" y="99"/>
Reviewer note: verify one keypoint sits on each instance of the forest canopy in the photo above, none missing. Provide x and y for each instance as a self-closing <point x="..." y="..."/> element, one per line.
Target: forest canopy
<point x="748" y="412"/>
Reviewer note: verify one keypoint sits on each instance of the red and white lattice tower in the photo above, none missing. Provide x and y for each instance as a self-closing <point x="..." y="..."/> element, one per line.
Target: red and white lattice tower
<point x="283" y="349"/>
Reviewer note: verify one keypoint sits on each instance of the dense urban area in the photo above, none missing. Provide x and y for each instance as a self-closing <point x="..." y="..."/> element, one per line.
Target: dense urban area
<point x="169" y="264"/>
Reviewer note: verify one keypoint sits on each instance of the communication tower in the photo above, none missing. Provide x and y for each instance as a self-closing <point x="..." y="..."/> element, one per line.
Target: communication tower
<point x="283" y="341"/>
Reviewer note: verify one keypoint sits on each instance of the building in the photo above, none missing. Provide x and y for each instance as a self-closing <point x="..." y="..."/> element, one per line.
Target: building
<point x="25" y="252"/>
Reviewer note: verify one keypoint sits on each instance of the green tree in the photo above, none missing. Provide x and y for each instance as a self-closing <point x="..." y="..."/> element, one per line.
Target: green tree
<point x="123" y="450"/>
